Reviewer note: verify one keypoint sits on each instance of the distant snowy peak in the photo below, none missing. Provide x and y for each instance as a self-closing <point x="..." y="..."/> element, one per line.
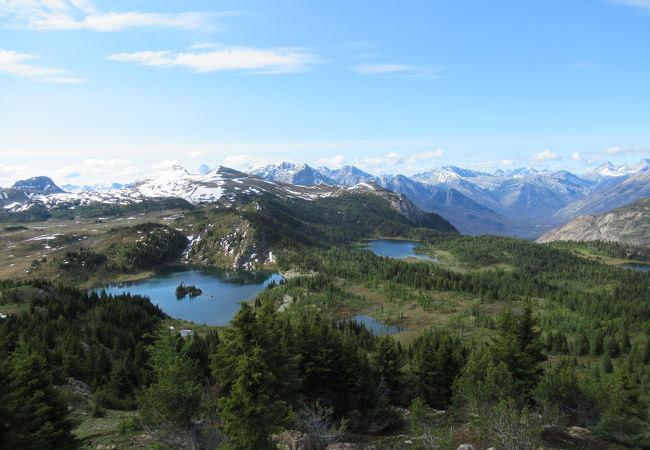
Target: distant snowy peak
<point x="93" y="187"/>
<point x="466" y="173"/>
<point x="449" y="174"/>
<point x="641" y="166"/>
<point x="41" y="184"/>
<point x="520" y="172"/>
<point x="609" y="170"/>
<point x="176" y="183"/>
<point x="220" y="185"/>
<point x="297" y="174"/>
<point x="346" y="175"/>
<point x="437" y="176"/>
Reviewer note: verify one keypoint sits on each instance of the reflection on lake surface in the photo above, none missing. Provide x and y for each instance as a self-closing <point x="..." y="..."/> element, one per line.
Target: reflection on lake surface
<point x="397" y="249"/>
<point x="377" y="327"/>
<point x="222" y="292"/>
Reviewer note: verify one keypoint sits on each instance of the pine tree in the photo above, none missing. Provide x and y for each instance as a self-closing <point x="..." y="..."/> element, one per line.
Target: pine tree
<point x="249" y="413"/>
<point x="625" y="417"/>
<point x="518" y="346"/>
<point x="436" y="362"/>
<point x="483" y="384"/>
<point x="387" y="365"/>
<point x="174" y="398"/>
<point x="36" y="417"/>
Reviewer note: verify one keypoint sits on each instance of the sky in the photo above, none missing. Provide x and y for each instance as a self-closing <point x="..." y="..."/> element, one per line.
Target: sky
<point x="95" y="91"/>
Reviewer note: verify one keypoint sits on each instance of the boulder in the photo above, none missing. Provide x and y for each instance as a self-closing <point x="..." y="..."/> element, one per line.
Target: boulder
<point x="342" y="446"/>
<point x="295" y="440"/>
<point x="572" y="437"/>
<point x="580" y="433"/>
<point x="79" y="387"/>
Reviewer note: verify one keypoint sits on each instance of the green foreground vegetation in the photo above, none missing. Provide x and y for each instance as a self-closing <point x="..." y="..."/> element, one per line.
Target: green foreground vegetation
<point x="508" y="344"/>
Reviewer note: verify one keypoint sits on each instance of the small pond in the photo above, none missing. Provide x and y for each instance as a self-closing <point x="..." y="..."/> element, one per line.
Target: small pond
<point x="222" y="291"/>
<point x="377" y="327"/>
<point x="397" y="249"/>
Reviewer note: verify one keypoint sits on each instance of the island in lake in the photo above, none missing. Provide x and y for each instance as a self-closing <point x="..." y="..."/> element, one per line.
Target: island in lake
<point x="191" y="290"/>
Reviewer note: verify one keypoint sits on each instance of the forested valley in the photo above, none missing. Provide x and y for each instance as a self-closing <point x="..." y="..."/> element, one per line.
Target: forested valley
<point x="509" y="344"/>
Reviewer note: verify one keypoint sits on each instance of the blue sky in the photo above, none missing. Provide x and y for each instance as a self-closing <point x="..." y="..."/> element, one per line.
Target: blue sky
<point x="98" y="91"/>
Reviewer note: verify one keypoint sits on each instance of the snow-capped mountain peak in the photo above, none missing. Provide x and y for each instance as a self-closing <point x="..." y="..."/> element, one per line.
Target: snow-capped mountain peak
<point x="298" y="174"/>
<point x="43" y="184"/>
<point x="346" y="175"/>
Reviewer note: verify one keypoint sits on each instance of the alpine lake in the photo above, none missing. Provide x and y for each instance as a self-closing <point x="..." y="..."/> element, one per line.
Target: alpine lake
<point x="222" y="291"/>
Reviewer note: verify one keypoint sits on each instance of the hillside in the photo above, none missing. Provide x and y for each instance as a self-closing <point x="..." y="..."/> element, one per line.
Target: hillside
<point x="96" y="242"/>
<point x="628" y="224"/>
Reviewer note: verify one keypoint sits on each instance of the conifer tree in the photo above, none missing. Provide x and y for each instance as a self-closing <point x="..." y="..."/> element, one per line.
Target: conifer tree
<point x="518" y="346"/>
<point x="387" y="365"/>
<point x="250" y="414"/>
<point x="173" y="402"/>
<point x="36" y="417"/>
<point x="625" y="417"/>
<point x="436" y="362"/>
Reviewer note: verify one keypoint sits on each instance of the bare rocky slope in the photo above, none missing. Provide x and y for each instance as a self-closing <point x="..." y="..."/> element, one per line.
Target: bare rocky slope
<point x="628" y="224"/>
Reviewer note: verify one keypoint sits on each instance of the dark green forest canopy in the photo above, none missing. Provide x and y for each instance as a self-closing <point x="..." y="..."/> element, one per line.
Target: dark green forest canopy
<point x="572" y="334"/>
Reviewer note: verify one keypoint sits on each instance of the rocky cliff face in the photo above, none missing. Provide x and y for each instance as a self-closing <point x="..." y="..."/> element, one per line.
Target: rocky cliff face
<point x="629" y="224"/>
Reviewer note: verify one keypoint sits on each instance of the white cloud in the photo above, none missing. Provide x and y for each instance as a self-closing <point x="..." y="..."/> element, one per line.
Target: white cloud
<point x="203" y="45"/>
<point x="15" y="63"/>
<point x="391" y="159"/>
<point x="491" y="164"/>
<point x="546" y="155"/>
<point x="394" y="162"/>
<point x="371" y="69"/>
<point x="644" y="5"/>
<point x="164" y="165"/>
<point x="425" y="157"/>
<point x="280" y="60"/>
<point x="90" y="171"/>
<point x="96" y="165"/>
<point x="624" y="150"/>
<point x="197" y="153"/>
<point x="116" y="168"/>
<point x="403" y="70"/>
<point x="64" y="80"/>
<point x="586" y="158"/>
<point x="58" y="15"/>
<point x="247" y="162"/>
<point x="334" y="162"/>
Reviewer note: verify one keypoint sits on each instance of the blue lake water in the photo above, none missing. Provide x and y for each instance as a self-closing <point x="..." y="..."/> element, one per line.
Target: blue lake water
<point x="377" y="327"/>
<point x="397" y="249"/>
<point x="636" y="267"/>
<point x="222" y="292"/>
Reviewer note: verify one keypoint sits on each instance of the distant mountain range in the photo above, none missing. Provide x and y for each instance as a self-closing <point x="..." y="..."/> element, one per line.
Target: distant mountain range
<point x="93" y="187"/>
<point x="522" y="202"/>
<point x="221" y="186"/>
